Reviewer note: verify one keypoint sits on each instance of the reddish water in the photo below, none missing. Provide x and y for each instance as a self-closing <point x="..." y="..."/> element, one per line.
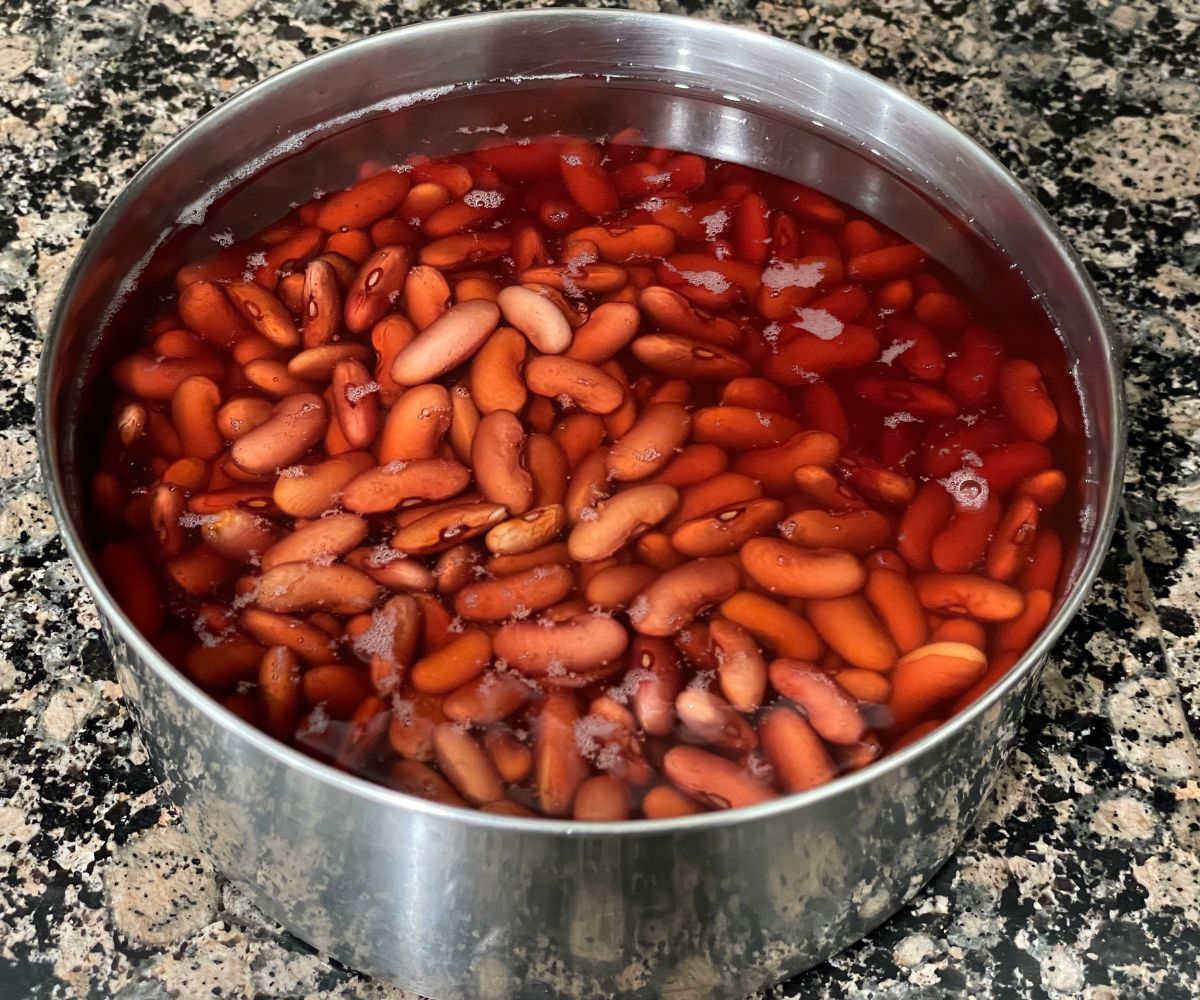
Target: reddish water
<point x="833" y="324"/>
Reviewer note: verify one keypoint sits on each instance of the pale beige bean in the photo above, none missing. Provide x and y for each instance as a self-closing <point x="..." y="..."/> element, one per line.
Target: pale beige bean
<point x="496" y="459"/>
<point x="676" y="597"/>
<point x="537" y="317"/>
<point x="530" y="531"/>
<point x="303" y="586"/>
<point x="619" y="520"/>
<point x="447" y="342"/>
<point x="297" y="423"/>
<point x="650" y="443"/>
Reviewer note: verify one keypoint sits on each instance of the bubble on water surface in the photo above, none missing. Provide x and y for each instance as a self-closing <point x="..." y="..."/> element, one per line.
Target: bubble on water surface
<point x="967" y="487"/>
<point x="483" y="199"/>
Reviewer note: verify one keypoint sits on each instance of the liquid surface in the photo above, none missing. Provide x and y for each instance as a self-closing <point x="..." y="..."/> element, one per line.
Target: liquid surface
<point x="578" y="479"/>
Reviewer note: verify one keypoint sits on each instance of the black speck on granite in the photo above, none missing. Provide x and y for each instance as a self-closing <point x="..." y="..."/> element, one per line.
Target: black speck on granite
<point x="1082" y="876"/>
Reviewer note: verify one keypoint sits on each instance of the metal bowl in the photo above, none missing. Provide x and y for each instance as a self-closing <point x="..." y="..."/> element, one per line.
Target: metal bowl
<point x="457" y="903"/>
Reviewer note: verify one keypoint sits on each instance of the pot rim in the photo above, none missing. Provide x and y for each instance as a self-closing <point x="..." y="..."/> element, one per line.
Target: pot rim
<point x="353" y="785"/>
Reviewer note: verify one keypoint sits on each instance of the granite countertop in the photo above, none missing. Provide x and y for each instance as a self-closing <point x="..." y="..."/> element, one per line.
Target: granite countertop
<point x="1082" y="877"/>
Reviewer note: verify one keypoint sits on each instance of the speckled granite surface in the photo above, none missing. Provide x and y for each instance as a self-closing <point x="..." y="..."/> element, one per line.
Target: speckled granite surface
<point x="1082" y="877"/>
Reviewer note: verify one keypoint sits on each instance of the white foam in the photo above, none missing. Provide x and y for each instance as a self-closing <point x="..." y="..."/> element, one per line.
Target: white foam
<point x="894" y="350"/>
<point x="379" y="637"/>
<point x="780" y="274"/>
<point x="820" y="323"/>
<point x="357" y="393"/>
<point x="714" y="223"/>
<point x="710" y="281"/>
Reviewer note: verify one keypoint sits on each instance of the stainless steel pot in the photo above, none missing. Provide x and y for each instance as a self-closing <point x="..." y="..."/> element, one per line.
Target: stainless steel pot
<point x="456" y="903"/>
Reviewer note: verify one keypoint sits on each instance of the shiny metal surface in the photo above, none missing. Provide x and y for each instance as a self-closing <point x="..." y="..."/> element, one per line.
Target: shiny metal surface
<point x="461" y="904"/>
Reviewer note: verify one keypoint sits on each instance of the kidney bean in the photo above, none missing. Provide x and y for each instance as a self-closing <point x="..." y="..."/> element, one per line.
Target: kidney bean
<point x="650" y="443"/>
<point x="601" y="798"/>
<point x="447" y="342"/>
<point x="401" y="484"/>
<point x="586" y="385"/>
<point x="780" y="568"/>
<point x="962" y="544"/>
<point x="1014" y="537"/>
<point x="851" y="629"/>
<point x="463" y="658"/>
<point x="299" y="586"/>
<point x="804" y="356"/>
<point x="559" y="769"/>
<point x="527" y="533"/>
<point x="496" y="372"/>
<point x="856" y="531"/>
<point x="295" y="425"/>
<point x="1006" y="465"/>
<point x="774" y="467"/>
<point x="830" y="709"/>
<point x="518" y="594"/>
<point x="414" y="778"/>
<point x="363" y="203"/>
<point x="929" y="676"/>
<point x="1045" y="562"/>
<point x="264" y="313"/>
<point x="682" y="358"/>
<point x="537" y="317"/>
<point x="974" y="596"/>
<point x="613" y="523"/>
<point x="565" y="654"/>
<point x="670" y="310"/>
<point x="741" y="669"/>
<point x="206" y="310"/>
<point x="496" y="457"/>
<point x="708" y="718"/>
<point x="895" y="601"/>
<point x="463" y="761"/>
<point x="712" y="780"/>
<point x="678" y="595"/>
<point x="442" y="528"/>
<point x="322" y="540"/>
